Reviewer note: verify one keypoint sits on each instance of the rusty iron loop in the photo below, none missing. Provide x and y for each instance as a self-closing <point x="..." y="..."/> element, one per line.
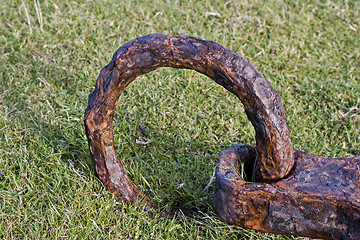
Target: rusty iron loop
<point x="295" y="193"/>
<point x="262" y="103"/>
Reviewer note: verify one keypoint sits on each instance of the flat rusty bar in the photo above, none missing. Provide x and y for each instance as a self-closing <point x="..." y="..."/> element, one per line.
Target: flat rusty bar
<point x="320" y="198"/>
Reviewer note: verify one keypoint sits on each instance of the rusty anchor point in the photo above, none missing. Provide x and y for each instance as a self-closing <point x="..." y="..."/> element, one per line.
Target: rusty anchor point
<point x="294" y="193"/>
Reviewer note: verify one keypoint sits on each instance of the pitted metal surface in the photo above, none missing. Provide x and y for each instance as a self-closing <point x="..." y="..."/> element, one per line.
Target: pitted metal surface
<point x="294" y="192"/>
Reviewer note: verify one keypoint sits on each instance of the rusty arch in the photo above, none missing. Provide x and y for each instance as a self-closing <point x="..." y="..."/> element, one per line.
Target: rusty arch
<point x="262" y="103"/>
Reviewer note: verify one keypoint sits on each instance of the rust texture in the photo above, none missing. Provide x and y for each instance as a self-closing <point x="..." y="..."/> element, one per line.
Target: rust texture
<point x="295" y="193"/>
<point x="320" y="198"/>
<point x="142" y="55"/>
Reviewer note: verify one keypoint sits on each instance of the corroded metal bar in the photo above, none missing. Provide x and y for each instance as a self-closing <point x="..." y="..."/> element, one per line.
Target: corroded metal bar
<point x="142" y="55"/>
<point x="320" y="198"/>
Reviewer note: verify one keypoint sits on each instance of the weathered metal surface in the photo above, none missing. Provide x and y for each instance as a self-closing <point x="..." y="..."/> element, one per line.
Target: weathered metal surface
<point x="294" y="193"/>
<point x="320" y="198"/>
<point x="262" y="103"/>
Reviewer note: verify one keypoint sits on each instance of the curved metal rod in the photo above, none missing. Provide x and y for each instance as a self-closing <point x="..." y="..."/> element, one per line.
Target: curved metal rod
<point x="262" y="103"/>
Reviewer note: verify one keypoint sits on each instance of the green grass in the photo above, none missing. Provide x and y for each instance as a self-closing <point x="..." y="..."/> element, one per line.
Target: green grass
<point x="51" y="53"/>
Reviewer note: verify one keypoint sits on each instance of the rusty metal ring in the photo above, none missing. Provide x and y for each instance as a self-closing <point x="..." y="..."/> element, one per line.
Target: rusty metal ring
<point x="262" y="103"/>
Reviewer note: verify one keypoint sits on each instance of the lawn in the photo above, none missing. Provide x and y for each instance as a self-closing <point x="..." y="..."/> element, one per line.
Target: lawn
<point x="51" y="53"/>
